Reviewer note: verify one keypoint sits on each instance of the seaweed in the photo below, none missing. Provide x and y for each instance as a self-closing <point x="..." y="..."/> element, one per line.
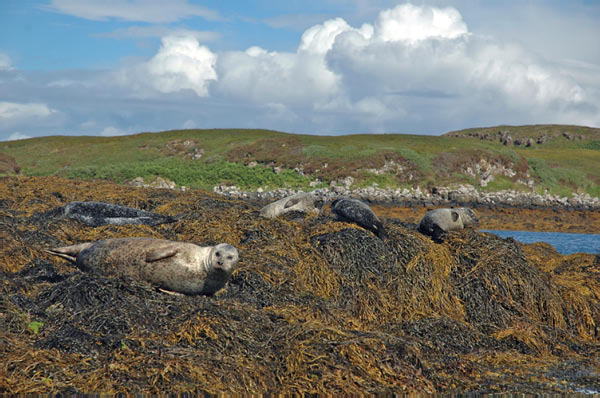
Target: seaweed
<point x="316" y="306"/>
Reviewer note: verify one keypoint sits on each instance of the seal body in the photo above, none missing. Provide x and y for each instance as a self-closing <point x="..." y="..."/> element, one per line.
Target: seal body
<point x="180" y="267"/>
<point x="439" y="221"/>
<point x="357" y="212"/>
<point x="99" y="213"/>
<point x="303" y="201"/>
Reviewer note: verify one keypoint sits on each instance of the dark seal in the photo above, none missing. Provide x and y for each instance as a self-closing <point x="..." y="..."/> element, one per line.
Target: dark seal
<point x="96" y="214"/>
<point x="357" y="212"/>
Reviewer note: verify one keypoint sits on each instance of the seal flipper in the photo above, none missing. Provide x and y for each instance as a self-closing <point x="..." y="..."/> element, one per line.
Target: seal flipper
<point x="160" y="253"/>
<point x="291" y="202"/>
<point x="69" y="252"/>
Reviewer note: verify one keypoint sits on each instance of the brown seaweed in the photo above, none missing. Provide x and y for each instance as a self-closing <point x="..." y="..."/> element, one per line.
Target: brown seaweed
<point x="316" y="306"/>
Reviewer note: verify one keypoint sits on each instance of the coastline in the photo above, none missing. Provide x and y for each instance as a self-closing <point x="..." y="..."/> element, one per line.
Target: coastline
<point x="503" y="210"/>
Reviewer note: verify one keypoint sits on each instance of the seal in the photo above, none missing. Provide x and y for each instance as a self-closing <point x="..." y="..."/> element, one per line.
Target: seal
<point x="303" y="202"/>
<point x="174" y="266"/>
<point x="439" y="221"/>
<point x="357" y="212"/>
<point x="96" y="214"/>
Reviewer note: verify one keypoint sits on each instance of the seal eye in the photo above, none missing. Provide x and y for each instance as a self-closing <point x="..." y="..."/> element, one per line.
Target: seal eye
<point x="230" y="258"/>
<point x="218" y="254"/>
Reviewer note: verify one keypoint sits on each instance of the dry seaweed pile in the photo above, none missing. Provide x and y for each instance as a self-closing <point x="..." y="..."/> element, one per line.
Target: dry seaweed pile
<point x="315" y="306"/>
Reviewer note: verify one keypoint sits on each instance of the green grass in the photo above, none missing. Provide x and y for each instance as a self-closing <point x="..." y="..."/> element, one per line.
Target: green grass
<point x="559" y="165"/>
<point x="193" y="175"/>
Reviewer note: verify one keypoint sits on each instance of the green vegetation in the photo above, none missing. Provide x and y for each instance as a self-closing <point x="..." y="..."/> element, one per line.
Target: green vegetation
<point x="186" y="173"/>
<point x="568" y="161"/>
<point x="35" y="326"/>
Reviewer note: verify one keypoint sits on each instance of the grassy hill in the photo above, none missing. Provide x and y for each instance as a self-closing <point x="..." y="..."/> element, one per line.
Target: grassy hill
<point x="568" y="159"/>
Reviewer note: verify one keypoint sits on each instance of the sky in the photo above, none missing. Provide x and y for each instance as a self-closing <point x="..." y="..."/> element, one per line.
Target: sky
<point x="116" y="67"/>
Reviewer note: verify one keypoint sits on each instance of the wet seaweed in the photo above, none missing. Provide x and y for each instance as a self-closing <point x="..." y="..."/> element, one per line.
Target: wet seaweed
<point x="316" y="306"/>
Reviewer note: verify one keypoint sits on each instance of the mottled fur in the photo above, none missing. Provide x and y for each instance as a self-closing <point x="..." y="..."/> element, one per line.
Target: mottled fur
<point x="303" y="201"/>
<point x="180" y="267"/>
<point x="439" y="221"/>
<point x="100" y="213"/>
<point x="357" y="212"/>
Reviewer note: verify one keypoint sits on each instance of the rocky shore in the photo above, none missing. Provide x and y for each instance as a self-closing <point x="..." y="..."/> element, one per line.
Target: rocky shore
<point x="461" y="195"/>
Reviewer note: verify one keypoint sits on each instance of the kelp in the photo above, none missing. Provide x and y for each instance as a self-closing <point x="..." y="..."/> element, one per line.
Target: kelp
<point x="316" y="306"/>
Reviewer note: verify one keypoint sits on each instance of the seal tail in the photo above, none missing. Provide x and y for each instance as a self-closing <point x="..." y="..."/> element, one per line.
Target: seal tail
<point x="69" y="252"/>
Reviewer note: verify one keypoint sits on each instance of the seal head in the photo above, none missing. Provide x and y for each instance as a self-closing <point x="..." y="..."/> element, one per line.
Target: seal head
<point x="222" y="260"/>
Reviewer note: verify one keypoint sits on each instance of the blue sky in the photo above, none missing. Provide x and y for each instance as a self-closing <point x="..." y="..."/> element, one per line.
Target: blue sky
<point x="113" y="67"/>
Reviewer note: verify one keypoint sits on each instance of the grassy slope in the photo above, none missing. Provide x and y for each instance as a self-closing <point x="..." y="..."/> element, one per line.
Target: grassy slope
<point x="559" y="165"/>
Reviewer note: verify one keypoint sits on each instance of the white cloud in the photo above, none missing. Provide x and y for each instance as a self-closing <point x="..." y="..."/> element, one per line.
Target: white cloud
<point x="412" y="23"/>
<point x="319" y="39"/>
<point x="300" y="78"/>
<point x="5" y="62"/>
<point x="17" y="136"/>
<point x="11" y="110"/>
<point x="180" y="64"/>
<point x="411" y="69"/>
<point x="415" y="65"/>
<point x="155" y="11"/>
<point x="111" y="131"/>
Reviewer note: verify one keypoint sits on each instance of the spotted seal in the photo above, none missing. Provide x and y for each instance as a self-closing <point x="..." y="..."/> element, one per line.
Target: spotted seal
<point x="96" y="214"/>
<point x="303" y="201"/>
<point x="439" y="221"/>
<point x="357" y="212"/>
<point x="174" y="266"/>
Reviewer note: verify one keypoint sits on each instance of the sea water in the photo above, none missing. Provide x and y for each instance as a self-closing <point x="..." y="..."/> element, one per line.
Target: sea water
<point x="564" y="243"/>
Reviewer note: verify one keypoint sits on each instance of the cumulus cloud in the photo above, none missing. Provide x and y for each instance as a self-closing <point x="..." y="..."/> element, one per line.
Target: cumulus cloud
<point x="12" y="110"/>
<point x="153" y="11"/>
<point x="180" y="64"/>
<point x="5" y="62"/>
<point x="411" y="23"/>
<point x="411" y="69"/>
<point x="415" y="65"/>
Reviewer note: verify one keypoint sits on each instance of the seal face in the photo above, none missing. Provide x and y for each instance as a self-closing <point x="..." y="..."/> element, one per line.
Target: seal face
<point x="180" y="267"/>
<point x="303" y="201"/>
<point x="99" y="213"/>
<point x="357" y="212"/>
<point x="439" y="221"/>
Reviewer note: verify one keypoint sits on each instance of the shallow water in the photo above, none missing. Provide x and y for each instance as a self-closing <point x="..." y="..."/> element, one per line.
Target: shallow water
<point x="565" y="243"/>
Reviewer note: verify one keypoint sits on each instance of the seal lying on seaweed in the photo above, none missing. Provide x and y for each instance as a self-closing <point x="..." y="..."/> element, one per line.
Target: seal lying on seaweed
<point x="439" y="221"/>
<point x="357" y="212"/>
<point x="96" y="214"/>
<point x="303" y="202"/>
<point x="175" y="266"/>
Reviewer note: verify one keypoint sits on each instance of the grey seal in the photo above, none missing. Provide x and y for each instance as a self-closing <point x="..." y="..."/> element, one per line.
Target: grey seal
<point x="175" y="266"/>
<point x="357" y="212"/>
<point x="96" y="214"/>
<point x="439" y="221"/>
<point x="303" y="201"/>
